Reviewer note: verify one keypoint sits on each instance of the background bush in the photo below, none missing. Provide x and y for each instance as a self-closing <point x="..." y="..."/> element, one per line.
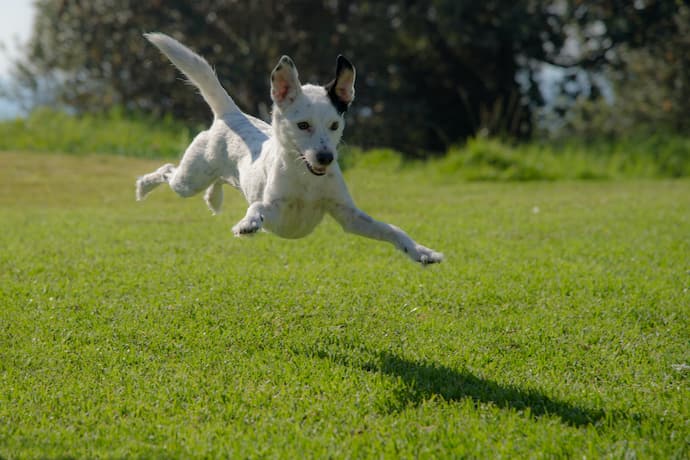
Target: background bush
<point x="432" y="73"/>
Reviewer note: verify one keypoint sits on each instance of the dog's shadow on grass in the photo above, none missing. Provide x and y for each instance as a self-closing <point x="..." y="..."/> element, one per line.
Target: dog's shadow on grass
<point x="425" y="380"/>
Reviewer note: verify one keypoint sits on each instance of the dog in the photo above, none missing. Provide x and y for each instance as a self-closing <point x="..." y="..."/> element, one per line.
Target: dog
<point x="287" y="171"/>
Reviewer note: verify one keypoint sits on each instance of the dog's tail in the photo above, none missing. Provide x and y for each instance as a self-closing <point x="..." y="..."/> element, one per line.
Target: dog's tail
<point x="197" y="70"/>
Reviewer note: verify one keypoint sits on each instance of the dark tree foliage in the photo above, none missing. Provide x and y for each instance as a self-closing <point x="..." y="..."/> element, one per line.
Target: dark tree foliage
<point x="651" y="82"/>
<point x="430" y="73"/>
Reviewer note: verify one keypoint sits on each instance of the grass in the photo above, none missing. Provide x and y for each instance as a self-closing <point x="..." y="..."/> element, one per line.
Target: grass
<point x="47" y="130"/>
<point x="641" y="155"/>
<point x="557" y="326"/>
<point x="483" y="159"/>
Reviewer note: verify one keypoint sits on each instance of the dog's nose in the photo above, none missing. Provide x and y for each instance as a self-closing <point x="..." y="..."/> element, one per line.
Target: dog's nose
<point x="324" y="158"/>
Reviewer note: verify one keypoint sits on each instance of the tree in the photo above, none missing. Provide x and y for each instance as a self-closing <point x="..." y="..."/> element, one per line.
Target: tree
<point x="647" y="73"/>
<point x="430" y="73"/>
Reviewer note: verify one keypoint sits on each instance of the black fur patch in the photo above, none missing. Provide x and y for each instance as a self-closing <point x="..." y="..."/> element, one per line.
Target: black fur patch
<point x="341" y="64"/>
<point x="288" y="61"/>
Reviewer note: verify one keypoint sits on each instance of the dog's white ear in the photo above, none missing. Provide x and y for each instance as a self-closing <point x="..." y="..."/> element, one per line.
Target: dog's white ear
<point x="342" y="89"/>
<point x="285" y="85"/>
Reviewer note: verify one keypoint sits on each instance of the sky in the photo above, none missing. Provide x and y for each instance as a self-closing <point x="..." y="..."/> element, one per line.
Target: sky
<point x="15" y="24"/>
<point x="15" y="27"/>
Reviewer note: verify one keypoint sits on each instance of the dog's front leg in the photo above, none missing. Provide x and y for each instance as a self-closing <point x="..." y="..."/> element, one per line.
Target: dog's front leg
<point x="253" y="219"/>
<point x="353" y="220"/>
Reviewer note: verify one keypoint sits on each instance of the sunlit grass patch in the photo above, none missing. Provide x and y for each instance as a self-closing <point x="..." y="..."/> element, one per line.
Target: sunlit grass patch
<point x="556" y="326"/>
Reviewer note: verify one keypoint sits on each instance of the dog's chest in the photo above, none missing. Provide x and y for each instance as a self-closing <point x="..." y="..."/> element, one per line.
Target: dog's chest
<point x="296" y="217"/>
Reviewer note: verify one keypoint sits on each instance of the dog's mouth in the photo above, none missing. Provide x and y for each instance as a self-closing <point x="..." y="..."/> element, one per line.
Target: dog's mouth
<point x="317" y="171"/>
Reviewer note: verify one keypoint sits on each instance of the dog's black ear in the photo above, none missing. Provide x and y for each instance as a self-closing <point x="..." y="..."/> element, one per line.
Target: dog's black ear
<point x="285" y="85"/>
<point x="341" y="90"/>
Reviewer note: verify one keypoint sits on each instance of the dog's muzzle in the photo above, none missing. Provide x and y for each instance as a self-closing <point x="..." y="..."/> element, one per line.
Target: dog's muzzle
<point x="314" y="171"/>
<point x="323" y="159"/>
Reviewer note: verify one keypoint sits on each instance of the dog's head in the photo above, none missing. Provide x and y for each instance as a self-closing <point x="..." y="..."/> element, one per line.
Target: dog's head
<point x="308" y="119"/>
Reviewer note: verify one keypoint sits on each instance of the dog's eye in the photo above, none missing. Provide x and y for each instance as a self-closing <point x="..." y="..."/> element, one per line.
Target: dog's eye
<point x="334" y="126"/>
<point x="303" y="125"/>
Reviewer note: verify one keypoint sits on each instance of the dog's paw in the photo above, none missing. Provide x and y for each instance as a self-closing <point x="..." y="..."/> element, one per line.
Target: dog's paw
<point x="247" y="227"/>
<point x="424" y="255"/>
<point x="143" y="188"/>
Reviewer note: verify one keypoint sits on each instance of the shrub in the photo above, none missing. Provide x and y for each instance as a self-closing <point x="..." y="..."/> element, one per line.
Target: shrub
<point x="47" y="130"/>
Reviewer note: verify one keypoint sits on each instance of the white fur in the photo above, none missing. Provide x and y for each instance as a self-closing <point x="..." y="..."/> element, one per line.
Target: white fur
<point x="282" y="169"/>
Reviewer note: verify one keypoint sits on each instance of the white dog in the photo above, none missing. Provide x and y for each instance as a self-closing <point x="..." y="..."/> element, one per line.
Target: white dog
<point x="288" y="170"/>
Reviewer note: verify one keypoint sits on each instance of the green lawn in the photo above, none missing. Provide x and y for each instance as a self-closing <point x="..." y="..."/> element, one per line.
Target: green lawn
<point x="557" y="326"/>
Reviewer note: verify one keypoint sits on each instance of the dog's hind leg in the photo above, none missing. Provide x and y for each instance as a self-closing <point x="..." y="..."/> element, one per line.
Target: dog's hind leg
<point x="194" y="173"/>
<point x="198" y="168"/>
<point x="148" y="182"/>
<point x="214" y="196"/>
